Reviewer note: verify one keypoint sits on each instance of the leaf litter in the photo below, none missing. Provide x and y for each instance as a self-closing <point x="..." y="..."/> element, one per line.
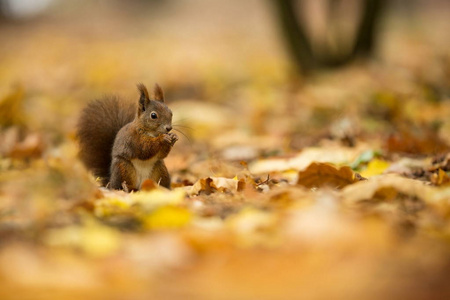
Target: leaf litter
<point x="284" y="190"/>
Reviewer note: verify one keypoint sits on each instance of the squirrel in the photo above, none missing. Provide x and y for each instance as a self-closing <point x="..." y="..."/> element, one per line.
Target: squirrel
<point x="124" y="144"/>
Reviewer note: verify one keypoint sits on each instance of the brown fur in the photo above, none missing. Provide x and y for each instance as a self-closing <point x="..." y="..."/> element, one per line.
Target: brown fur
<point x="143" y="90"/>
<point x="160" y="174"/>
<point x="97" y="127"/>
<point x="158" y="93"/>
<point x="112" y="135"/>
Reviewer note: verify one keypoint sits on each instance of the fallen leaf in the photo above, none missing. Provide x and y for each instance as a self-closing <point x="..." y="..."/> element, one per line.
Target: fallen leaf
<point x="440" y="178"/>
<point x="304" y="159"/>
<point x="158" y="197"/>
<point x="216" y="184"/>
<point x="167" y="217"/>
<point x="365" y="190"/>
<point x="148" y="185"/>
<point x="375" y="167"/>
<point x="322" y="174"/>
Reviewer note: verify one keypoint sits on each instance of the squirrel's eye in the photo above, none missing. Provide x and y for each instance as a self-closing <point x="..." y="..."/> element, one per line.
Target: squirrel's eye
<point x="154" y="115"/>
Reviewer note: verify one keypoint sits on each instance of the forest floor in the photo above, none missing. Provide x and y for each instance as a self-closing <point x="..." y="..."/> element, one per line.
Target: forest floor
<point x="334" y="186"/>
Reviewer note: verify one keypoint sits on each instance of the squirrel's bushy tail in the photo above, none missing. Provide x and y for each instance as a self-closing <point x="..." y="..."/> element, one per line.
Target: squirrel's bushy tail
<point x="97" y="127"/>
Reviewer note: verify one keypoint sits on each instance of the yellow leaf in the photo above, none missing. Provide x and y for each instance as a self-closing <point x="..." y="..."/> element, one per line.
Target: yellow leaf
<point x="375" y="167"/>
<point x="158" y="197"/>
<point x="167" y="217"/>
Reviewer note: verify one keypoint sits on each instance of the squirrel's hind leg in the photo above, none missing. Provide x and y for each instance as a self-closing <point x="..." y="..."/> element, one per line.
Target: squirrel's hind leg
<point x="160" y="174"/>
<point x="123" y="173"/>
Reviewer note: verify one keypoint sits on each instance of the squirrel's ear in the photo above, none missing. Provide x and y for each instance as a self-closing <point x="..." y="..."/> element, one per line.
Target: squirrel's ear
<point x="158" y="93"/>
<point x="144" y="98"/>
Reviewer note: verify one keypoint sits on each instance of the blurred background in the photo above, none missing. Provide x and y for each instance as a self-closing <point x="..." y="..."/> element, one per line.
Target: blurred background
<point x="257" y="60"/>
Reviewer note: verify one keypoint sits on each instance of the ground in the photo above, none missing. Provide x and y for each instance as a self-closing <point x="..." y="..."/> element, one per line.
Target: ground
<point x="334" y="185"/>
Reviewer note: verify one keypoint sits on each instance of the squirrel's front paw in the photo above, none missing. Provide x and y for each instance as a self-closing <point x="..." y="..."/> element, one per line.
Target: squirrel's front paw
<point x="170" y="138"/>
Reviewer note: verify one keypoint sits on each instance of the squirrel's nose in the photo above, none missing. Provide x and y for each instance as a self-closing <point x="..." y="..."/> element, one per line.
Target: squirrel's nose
<point x="168" y="128"/>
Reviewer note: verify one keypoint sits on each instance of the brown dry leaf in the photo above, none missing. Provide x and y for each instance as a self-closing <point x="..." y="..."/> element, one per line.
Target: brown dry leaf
<point x="322" y="174"/>
<point x="216" y="184"/>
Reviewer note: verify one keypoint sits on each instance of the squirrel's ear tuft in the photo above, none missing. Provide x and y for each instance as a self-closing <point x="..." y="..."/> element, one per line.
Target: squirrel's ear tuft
<point x="158" y="93"/>
<point x="144" y="98"/>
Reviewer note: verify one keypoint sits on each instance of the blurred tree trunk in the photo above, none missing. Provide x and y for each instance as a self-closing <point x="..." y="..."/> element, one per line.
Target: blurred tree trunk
<point x="295" y="34"/>
<point x="365" y="38"/>
<point x="299" y="43"/>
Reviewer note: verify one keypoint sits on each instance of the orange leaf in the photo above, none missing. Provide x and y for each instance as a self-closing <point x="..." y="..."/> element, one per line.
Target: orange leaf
<point x="148" y="185"/>
<point x="440" y="178"/>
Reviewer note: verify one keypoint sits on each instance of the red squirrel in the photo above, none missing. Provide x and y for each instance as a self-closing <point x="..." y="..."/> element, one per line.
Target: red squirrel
<point x="123" y="144"/>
